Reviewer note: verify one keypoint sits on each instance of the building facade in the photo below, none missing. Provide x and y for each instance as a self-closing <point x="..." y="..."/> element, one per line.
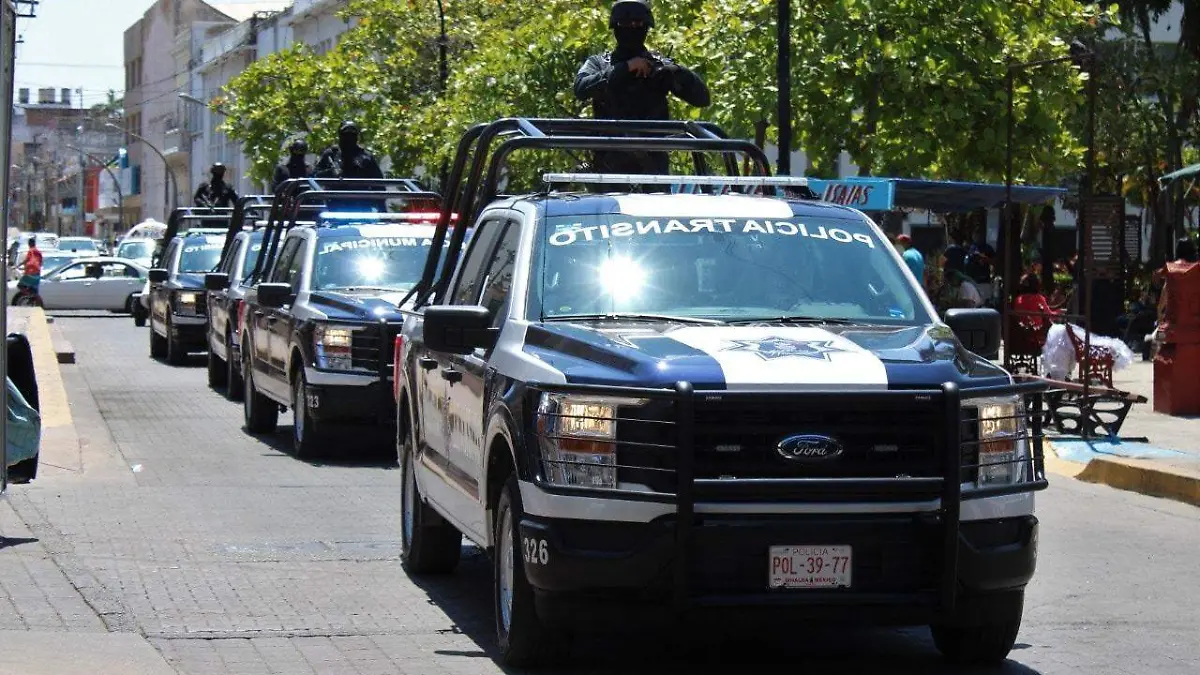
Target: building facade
<point x="158" y="64"/>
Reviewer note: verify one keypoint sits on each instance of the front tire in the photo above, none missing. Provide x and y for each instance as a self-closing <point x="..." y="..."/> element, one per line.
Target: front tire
<point x="217" y="370"/>
<point x="260" y="412"/>
<point x="428" y="543"/>
<point x="304" y="436"/>
<point x="986" y="631"/>
<point x="158" y="345"/>
<point x="524" y="641"/>
<point x="235" y="388"/>
<point x="175" y="352"/>
<point x="139" y="314"/>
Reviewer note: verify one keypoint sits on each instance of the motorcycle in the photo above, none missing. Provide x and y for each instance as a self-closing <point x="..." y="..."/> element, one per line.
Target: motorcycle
<point x="27" y="292"/>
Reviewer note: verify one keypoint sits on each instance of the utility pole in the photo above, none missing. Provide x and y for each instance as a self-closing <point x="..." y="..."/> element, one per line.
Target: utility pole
<point x="82" y="186"/>
<point x="784" y="74"/>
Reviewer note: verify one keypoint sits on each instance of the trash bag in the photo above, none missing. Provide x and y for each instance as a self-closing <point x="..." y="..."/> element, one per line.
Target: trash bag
<point x="23" y="433"/>
<point x="1058" y="354"/>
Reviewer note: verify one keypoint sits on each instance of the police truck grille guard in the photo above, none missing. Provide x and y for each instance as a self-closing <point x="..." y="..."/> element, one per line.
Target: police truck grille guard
<point x="669" y="449"/>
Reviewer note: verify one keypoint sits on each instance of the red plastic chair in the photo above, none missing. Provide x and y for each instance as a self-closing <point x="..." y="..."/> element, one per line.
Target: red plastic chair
<point x="1099" y="360"/>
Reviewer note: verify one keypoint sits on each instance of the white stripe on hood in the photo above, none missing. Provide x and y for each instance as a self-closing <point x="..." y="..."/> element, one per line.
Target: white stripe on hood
<point x="788" y="357"/>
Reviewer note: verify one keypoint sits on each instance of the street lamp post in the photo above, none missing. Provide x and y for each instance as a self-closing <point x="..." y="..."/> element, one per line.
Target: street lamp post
<point x="107" y="166"/>
<point x="169" y="204"/>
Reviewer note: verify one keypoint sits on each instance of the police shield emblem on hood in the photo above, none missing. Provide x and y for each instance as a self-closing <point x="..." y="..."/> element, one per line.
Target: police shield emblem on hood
<point x="762" y="357"/>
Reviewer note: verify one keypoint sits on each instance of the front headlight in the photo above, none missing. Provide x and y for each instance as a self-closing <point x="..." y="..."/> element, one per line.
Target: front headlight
<point x="1002" y="441"/>
<point x="186" y="302"/>
<point x="577" y="439"/>
<point x="333" y="346"/>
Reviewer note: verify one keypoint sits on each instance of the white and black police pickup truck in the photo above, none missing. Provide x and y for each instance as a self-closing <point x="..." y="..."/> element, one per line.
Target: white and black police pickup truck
<point x="684" y="403"/>
<point x="316" y="330"/>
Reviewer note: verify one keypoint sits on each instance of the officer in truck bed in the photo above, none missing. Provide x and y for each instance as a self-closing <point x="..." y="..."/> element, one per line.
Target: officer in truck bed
<point x="632" y="82"/>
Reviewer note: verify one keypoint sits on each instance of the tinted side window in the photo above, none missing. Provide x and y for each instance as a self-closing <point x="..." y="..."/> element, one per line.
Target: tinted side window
<point x="286" y="255"/>
<point x="470" y="278"/>
<point x="228" y="264"/>
<point x="497" y="282"/>
<point x="170" y="258"/>
<point x="295" y="271"/>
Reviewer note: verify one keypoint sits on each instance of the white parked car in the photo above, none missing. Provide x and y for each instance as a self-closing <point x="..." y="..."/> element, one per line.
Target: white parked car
<point x="140" y="251"/>
<point x="51" y="260"/>
<point x="81" y="245"/>
<point x="90" y="283"/>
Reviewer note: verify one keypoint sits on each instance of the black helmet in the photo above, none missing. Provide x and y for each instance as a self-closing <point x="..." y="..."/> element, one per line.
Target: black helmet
<point x="216" y="168"/>
<point x="631" y="10"/>
<point x="348" y="127"/>
<point x="298" y="147"/>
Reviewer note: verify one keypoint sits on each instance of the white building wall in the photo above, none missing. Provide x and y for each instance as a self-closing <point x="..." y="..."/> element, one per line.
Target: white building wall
<point x="316" y="23"/>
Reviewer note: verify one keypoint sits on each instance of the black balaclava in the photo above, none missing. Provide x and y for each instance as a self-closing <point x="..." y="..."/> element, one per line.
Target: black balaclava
<point x="218" y="174"/>
<point x="348" y="137"/>
<point x="631" y="40"/>
<point x="297" y="152"/>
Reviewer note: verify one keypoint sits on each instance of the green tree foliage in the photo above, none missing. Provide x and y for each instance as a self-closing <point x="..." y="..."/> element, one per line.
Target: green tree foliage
<point x="908" y="87"/>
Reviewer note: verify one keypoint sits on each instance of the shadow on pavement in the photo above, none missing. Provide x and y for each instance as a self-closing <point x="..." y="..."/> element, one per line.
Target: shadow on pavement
<point x="9" y="542"/>
<point x="354" y="448"/>
<point x="719" y="648"/>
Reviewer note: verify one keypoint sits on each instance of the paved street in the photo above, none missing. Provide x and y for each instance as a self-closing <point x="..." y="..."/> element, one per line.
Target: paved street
<point x="232" y="556"/>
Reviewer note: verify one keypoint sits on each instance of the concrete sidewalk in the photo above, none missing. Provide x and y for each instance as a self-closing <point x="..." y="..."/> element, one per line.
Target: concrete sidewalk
<point x="47" y="627"/>
<point x="1166" y="465"/>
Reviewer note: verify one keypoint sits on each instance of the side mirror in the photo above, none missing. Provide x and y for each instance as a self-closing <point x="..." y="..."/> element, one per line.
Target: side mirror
<point x="274" y="295"/>
<point x="216" y="281"/>
<point x="159" y="275"/>
<point x="977" y="329"/>
<point x="458" y="329"/>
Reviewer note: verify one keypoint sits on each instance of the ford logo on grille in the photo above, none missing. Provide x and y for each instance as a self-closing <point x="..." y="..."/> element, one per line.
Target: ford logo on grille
<point x="808" y="448"/>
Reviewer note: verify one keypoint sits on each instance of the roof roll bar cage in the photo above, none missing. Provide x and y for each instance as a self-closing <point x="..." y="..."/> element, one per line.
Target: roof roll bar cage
<point x="201" y="213"/>
<point x="244" y="206"/>
<point x="310" y="194"/>
<point x="475" y="146"/>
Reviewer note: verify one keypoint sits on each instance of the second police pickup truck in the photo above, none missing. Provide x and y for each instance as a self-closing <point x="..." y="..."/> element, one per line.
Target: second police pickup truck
<point x="689" y="403"/>
<point x="316" y="331"/>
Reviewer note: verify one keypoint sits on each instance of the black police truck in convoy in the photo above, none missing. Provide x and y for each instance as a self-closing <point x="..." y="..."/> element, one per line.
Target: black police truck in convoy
<point x="177" y="302"/>
<point x="316" y="332"/>
<point x="226" y="289"/>
<point x="709" y="399"/>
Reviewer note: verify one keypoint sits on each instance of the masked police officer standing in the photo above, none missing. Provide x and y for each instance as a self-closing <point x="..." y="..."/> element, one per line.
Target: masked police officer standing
<point x="216" y="193"/>
<point x="632" y="83"/>
<point x="295" y="167"/>
<point x="347" y="159"/>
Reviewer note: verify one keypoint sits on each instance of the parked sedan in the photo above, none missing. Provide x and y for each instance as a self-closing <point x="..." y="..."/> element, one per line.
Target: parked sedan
<point x="81" y="245"/>
<point x="90" y="283"/>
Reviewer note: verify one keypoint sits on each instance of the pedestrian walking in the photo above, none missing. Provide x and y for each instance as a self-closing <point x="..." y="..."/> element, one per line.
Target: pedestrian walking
<point x="346" y="158"/>
<point x="216" y="193"/>
<point x="912" y="257"/>
<point x="632" y="82"/>
<point x="297" y="165"/>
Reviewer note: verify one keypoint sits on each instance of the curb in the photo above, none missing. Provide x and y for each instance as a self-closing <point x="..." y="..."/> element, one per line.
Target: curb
<point x="1156" y="479"/>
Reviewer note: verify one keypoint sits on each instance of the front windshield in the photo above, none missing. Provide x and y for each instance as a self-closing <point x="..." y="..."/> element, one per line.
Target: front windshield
<point x="389" y="263"/>
<point x="78" y="245"/>
<point x="136" y="249"/>
<point x="722" y="268"/>
<point x="200" y="256"/>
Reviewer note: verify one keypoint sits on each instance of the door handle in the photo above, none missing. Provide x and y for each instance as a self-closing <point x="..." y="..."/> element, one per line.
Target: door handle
<point x="272" y="319"/>
<point x="427" y="363"/>
<point x="451" y="375"/>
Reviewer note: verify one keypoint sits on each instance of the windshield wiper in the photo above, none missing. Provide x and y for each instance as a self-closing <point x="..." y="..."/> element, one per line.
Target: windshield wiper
<point x="637" y="316"/>
<point x="354" y="289"/>
<point x="800" y="320"/>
